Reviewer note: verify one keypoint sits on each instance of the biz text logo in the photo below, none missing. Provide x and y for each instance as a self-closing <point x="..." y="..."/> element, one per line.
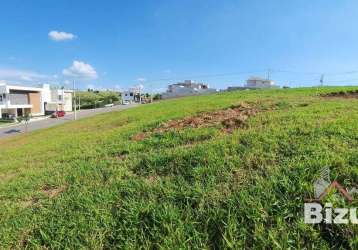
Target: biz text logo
<point x="316" y="210"/>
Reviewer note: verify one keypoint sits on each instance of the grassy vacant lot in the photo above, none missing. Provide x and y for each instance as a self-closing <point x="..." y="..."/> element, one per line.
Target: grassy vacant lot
<point x="116" y="180"/>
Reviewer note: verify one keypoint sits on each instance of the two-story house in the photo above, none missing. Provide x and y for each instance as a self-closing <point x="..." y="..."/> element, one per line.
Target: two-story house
<point x="55" y="99"/>
<point x="187" y="88"/>
<point x="259" y="83"/>
<point x="18" y="100"/>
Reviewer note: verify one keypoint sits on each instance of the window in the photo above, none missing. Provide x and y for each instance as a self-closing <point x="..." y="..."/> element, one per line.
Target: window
<point x="60" y="97"/>
<point x="131" y="94"/>
<point x="0" y="98"/>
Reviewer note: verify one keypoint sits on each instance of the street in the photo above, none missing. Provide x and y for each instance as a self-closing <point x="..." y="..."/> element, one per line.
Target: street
<point x="50" y="122"/>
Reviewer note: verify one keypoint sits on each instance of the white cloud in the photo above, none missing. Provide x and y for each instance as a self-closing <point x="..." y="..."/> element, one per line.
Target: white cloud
<point x="60" y="36"/>
<point x="22" y="75"/>
<point x="80" y="70"/>
<point x="141" y="79"/>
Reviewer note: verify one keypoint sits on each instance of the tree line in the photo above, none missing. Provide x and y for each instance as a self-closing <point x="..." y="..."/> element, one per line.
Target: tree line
<point x="95" y="99"/>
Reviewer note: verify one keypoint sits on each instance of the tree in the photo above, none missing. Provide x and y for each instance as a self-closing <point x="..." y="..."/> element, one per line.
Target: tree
<point x="26" y="118"/>
<point x="91" y="99"/>
<point x="157" y="97"/>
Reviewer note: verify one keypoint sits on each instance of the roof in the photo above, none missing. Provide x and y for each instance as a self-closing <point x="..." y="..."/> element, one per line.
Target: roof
<point x="64" y="90"/>
<point x="254" y="78"/>
<point x="188" y="84"/>
<point x="333" y="185"/>
<point x="16" y="87"/>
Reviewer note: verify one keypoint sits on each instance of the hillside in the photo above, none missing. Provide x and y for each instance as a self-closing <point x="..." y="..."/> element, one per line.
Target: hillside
<point x="229" y="170"/>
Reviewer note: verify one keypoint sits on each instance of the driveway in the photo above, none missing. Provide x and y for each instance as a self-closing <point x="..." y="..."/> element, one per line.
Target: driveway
<point x="50" y="122"/>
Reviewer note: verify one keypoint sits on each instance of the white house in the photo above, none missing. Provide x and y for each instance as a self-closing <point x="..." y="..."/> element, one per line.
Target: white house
<point x="55" y="99"/>
<point x="20" y="100"/>
<point x="259" y="83"/>
<point x="186" y="88"/>
<point x="16" y="100"/>
<point x="131" y="95"/>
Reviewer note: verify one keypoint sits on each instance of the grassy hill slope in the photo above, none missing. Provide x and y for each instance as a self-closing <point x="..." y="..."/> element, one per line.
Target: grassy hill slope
<point x="116" y="180"/>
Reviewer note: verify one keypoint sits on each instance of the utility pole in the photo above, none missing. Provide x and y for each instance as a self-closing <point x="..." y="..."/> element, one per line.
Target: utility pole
<point x="140" y="96"/>
<point x="79" y="103"/>
<point x="74" y="97"/>
<point x="268" y="74"/>
<point x="322" y="80"/>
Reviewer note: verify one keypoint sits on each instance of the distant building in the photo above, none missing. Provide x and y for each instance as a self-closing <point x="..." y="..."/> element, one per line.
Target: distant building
<point x="259" y="83"/>
<point x="131" y="95"/>
<point x="236" y="88"/>
<point x="187" y="88"/>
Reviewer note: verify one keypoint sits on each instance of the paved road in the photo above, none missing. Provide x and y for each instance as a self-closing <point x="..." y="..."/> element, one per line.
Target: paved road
<point x="50" y="122"/>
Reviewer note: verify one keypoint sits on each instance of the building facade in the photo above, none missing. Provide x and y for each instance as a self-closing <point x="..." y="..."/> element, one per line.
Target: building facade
<point x="18" y="100"/>
<point x="259" y="83"/>
<point x="187" y="88"/>
<point x="56" y="99"/>
<point x="131" y="95"/>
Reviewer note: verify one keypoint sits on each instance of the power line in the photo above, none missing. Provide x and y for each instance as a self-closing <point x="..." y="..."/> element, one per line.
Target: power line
<point x="345" y="80"/>
<point x="315" y="73"/>
<point x="295" y="72"/>
<point x="344" y="73"/>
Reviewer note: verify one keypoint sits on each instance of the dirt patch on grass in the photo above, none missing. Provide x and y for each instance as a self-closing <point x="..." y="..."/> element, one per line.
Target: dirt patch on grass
<point x="121" y="155"/>
<point x="230" y="119"/>
<point x="52" y="192"/>
<point x="139" y="137"/>
<point x="342" y="94"/>
<point x="152" y="179"/>
<point x="29" y="203"/>
<point x="7" y="177"/>
<point x="48" y="191"/>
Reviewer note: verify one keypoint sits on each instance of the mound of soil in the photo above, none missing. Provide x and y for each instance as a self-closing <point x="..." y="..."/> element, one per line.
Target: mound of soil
<point x="343" y="94"/>
<point x="231" y="118"/>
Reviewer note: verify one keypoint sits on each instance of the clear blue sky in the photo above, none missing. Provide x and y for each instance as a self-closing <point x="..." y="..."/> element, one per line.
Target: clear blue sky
<point x="116" y="43"/>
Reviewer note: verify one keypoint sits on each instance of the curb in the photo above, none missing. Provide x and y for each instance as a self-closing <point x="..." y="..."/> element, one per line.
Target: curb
<point x="19" y="123"/>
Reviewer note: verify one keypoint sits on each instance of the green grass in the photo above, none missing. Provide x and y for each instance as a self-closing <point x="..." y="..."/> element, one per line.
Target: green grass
<point x="86" y="184"/>
<point x="5" y="122"/>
